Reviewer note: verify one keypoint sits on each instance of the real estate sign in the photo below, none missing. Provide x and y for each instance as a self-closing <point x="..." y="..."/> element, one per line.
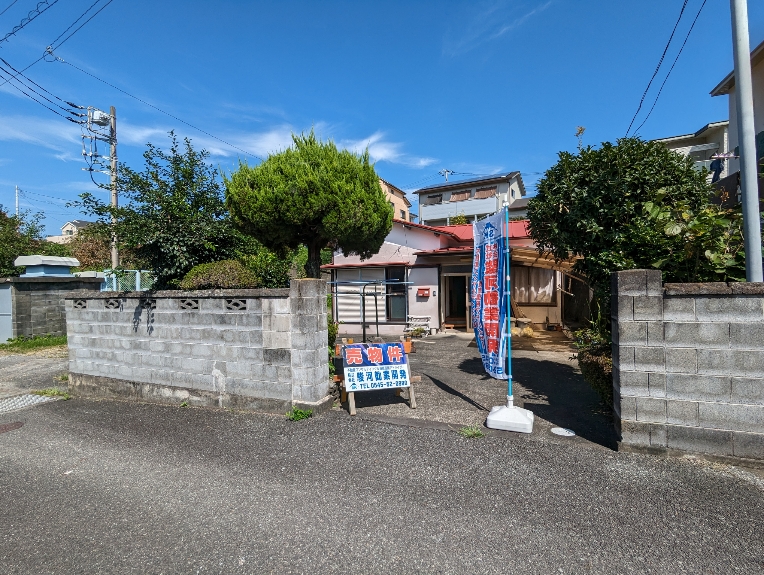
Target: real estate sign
<point x="375" y="366"/>
<point x="489" y="295"/>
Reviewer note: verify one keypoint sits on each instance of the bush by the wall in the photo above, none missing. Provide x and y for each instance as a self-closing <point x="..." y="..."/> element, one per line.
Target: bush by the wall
<point x="226" y="274"/>
<point x="595" y="359"/>
<point x="597" y="370"/>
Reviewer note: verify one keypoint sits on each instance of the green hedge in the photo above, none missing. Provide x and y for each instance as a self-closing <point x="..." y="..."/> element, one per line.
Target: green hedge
<point x="226" y="274"/>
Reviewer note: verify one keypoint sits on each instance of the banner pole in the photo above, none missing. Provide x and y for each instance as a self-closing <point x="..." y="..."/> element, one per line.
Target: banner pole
<point x="508" y="343"/>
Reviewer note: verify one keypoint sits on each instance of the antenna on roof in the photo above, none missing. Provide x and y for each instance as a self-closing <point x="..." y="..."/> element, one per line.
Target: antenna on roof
<point x="445" y="173"/>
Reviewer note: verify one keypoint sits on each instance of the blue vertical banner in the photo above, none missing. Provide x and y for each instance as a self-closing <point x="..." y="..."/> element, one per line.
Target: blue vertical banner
<point x="489" y="297"/>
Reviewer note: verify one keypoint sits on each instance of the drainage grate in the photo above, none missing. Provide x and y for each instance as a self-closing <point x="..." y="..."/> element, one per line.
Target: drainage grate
<point x="22" y="401"/>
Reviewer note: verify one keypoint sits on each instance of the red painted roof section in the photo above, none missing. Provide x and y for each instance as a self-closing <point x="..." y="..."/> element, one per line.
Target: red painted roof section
<point x="463" y="232"/>
<point x="446" y="251"/>
<point x="423" y="227"/>
<point x="517" y="229"/>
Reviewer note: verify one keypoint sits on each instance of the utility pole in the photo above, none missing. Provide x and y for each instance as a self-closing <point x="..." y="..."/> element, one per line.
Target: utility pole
<point x="749" y="177"/>
<point x="113" y="155"/>
<point x="445" y="173"/>
<point x="17" y="201"/>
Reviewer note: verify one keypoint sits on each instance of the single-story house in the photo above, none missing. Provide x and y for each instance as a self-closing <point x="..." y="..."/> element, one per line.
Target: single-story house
<point x="424" y="272"/>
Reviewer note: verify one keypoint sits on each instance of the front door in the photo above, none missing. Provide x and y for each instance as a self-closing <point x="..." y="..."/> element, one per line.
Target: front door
<point x="456" y="301"/>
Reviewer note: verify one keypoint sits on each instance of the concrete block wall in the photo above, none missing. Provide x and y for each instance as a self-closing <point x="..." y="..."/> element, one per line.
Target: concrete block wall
<point x="257" y="349"/>
<point x="38" y="303"/>
<point x="688" y="365"/>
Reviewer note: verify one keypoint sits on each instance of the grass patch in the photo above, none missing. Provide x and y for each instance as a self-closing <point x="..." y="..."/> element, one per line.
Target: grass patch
<point x="34" y="342"/>
<point x="62" y="377"/>
<point x="296" y="414"/>
<point x="53" y="392"/>
<point x="471" y="432"/>
<point x="184" y="404"/>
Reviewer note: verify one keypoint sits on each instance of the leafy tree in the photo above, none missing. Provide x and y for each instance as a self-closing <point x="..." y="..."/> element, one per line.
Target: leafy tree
<point x="633" y="204"/>
<point x="173" y="216"/>
<point x="22" y="236"/>
<point x="704" y="244"/>
<point x="311" y="194"/>
<point x="459" y="220"/>
<point x="92" y="248"/>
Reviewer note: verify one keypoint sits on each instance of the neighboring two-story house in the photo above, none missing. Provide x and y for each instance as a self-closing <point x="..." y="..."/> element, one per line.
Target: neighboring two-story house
<point x="398" y="200"/>
<point x="727" y="88"/>
<point x="475" y="198"/>
<point x="710" y="140"/>
<point x="68" y="231"/>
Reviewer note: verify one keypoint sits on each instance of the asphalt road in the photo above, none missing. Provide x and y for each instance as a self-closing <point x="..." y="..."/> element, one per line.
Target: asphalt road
<point x="109" y="487"/>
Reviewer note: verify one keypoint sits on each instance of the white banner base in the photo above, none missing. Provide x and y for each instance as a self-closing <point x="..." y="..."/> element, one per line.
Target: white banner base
<point x="510" y="418"/>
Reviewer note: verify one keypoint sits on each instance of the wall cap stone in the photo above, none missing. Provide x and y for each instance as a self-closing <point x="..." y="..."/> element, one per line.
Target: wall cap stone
<point x="212" y="293"/>
<point x="708" y="288"/>
<point x="50" y="280"/>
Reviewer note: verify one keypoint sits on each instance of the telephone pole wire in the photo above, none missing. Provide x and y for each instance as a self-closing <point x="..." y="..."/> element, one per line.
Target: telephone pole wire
<point x="114" y="202"/>
<point x="749" y="179"/>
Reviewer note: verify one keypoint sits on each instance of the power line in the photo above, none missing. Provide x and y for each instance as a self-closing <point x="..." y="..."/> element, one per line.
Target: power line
<point x="155" y="107"/>
<point x="660" y="62"/>
<point x="31" y="15"/>
<point x="54" y="46"/>
<point x="14" y="81"/>
<point x="28" y="79"/>
<point x="672" y="67"/>
<point x="8" y="7"/>
<point x="35" y="99"/>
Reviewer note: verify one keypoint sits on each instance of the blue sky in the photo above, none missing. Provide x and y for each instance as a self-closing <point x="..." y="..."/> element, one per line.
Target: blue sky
<point x="475" y="87"/>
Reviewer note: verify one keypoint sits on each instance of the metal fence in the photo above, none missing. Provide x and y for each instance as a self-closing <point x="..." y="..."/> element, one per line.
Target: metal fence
<point x="127" y="280"/>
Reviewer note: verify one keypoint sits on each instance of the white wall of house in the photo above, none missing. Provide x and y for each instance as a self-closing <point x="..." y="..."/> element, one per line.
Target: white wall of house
<point x="425" y="306"/>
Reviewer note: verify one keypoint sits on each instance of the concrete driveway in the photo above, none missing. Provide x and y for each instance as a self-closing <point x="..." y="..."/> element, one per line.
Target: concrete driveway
<point x="107" y="487"/>
<point x="455" y="389"/>
<point x="21" y="373"/>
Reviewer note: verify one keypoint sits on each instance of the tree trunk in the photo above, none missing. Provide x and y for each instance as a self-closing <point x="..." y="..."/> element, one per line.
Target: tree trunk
<point x="313" y="265"/>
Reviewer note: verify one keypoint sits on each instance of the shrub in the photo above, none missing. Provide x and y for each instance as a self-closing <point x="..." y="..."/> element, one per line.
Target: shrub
<point x="597" y="369"/>
<point x="333" y="329"/>
<point x="270" y="270"/>
<point x="224" y="274"/>
<point x="596" y="361"/>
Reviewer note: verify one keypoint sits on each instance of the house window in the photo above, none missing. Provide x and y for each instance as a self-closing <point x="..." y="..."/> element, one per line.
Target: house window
<point x="433" y="199"/>
<point x="396" y="293"/>
<point x="403" y="214"/>
<point x="483" y="193"/>
<point x="533" y="286"/>
<point x="460" y="196"/>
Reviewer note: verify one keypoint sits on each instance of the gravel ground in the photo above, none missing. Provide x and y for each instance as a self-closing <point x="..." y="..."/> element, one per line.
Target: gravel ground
<point x="110" y="487"/>
<point x="22" y="372"/>
<point x="455" y="389"/>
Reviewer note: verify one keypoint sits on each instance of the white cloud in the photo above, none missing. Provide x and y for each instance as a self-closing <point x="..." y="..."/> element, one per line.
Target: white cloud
<point x="58" y="135"/>
<point x="381" y="150"/>
<point x="490" y="24"/>
<point x="64" y="139"/>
